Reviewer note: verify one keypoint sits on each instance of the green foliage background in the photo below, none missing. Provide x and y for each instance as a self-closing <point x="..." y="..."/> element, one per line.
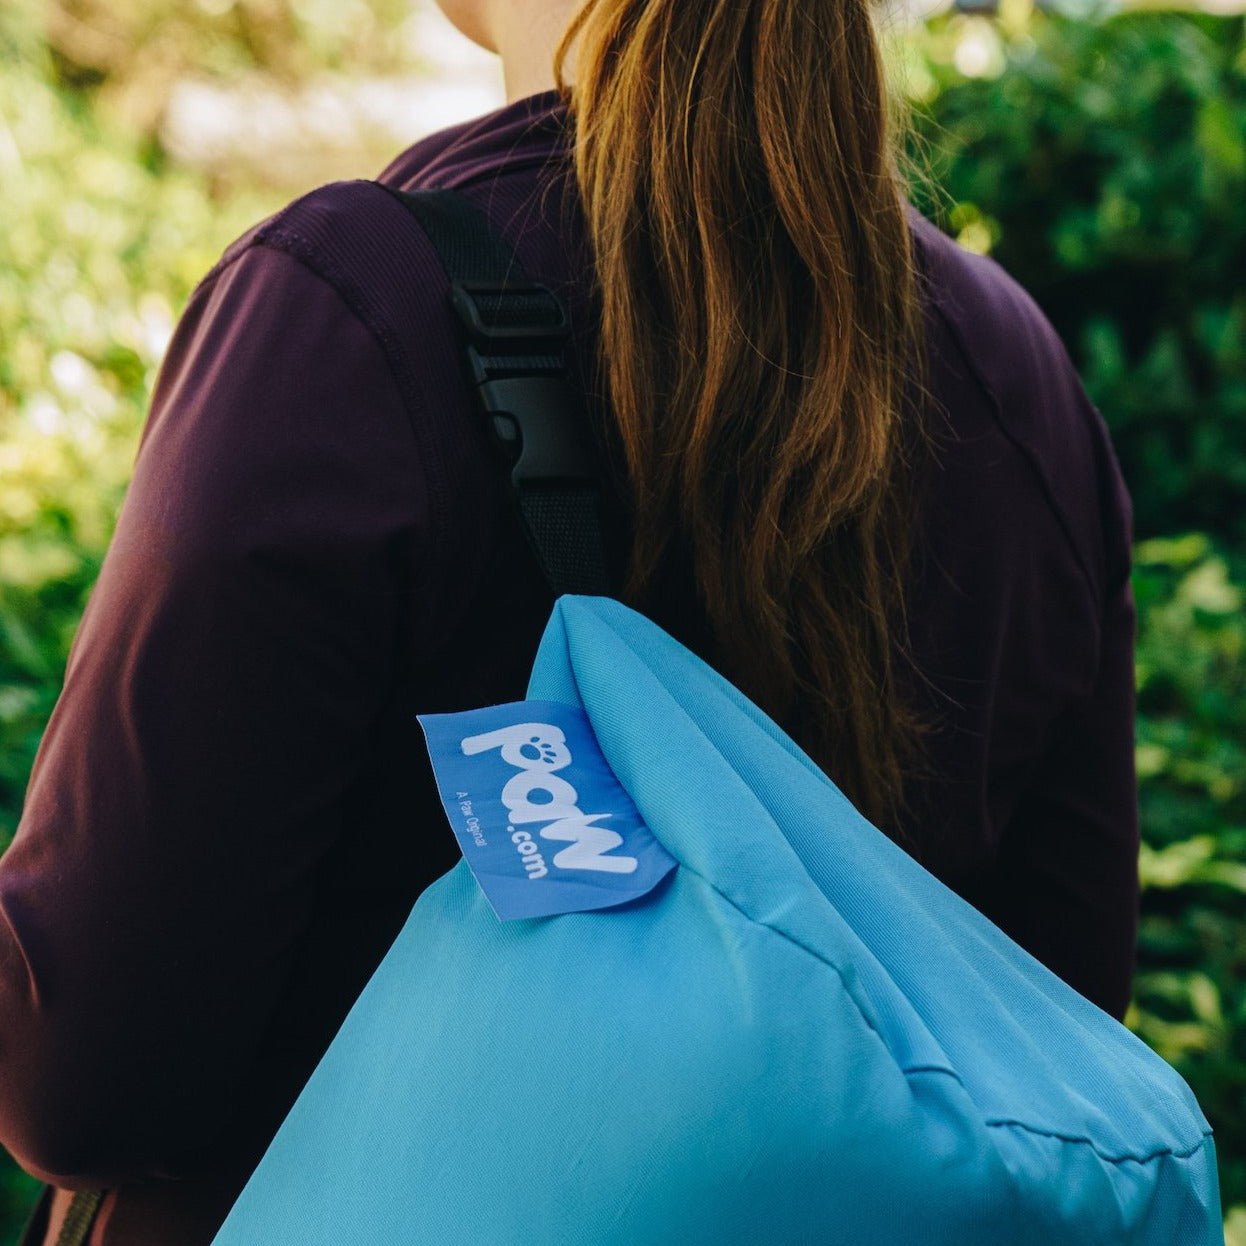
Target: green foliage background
<point x="1102" y="161"/>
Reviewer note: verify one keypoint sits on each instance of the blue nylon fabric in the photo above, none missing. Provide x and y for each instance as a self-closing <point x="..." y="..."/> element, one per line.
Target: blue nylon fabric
<point x="801" y="1036"/>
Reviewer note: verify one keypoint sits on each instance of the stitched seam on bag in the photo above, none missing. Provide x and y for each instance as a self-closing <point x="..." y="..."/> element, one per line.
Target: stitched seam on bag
<point x="1037" y="1131"/>
<point x="785" y="935"/>
<point x="1162" y="1153"/>
<point x="914" y="1070"/>
<point x="834" y="968"/>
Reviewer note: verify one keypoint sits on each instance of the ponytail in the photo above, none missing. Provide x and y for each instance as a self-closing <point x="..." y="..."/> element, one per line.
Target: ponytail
<point x="758" y="321"/>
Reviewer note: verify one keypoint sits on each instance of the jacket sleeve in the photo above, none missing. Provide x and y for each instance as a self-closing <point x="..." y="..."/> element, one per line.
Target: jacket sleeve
<point x="1066" y="886"/>
<point x="1068" y="871"/>
<point x="218" y="700"/>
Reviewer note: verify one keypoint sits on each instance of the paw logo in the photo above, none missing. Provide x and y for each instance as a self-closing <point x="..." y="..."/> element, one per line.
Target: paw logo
<point x="535" y="794"/>
<point x="539" y="752"/>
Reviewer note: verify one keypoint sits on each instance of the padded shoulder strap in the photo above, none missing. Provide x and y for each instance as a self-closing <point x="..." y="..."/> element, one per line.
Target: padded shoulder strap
<point x="515" y="335"/>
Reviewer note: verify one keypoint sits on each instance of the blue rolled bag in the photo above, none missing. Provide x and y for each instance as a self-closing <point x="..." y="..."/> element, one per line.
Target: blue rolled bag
<point x="690" y="994"/>
<point x="799" y="1035"/>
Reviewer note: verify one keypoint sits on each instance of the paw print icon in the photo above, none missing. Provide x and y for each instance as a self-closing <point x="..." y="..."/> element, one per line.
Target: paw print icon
<point x="540" y="752"/>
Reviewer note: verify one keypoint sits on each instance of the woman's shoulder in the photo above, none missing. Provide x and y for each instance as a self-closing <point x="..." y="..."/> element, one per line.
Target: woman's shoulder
<point x="361" y="239"/>
<point x="353" y="234"/>
<point x="995" y="349"/>
<point x="1007" y="337"/>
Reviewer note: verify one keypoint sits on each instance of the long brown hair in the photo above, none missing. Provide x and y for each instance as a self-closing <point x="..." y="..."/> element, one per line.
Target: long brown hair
<point x="736" y="166"/>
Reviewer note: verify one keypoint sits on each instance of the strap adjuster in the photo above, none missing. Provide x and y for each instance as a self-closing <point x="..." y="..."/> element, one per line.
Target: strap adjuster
<point x="517" y="316"/>
<point x="517" y="332"/>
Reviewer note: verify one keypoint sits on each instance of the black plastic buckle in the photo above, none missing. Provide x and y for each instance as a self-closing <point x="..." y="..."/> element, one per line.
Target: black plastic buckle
<point x="485" y="335"/>
<point x="536" y="418"/>
<point x="539" y="425"/>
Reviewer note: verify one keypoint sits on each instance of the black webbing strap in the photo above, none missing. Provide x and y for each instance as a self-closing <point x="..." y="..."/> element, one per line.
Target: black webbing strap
<point x="515" y="336"/>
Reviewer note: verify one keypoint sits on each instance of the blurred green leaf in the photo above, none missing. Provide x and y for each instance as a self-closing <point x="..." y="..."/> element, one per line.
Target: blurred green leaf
<point x="1108" y="159"/>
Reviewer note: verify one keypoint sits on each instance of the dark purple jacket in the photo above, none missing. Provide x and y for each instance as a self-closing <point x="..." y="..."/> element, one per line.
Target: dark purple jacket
<point x="231" y="812"/>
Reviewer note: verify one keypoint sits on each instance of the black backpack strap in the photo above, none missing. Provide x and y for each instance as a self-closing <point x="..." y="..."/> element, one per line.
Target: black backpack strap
<point x="516" y="334"/>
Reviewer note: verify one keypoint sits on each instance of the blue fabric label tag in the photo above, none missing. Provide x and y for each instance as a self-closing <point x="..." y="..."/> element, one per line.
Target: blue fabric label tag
<point x="544" y="825"/>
